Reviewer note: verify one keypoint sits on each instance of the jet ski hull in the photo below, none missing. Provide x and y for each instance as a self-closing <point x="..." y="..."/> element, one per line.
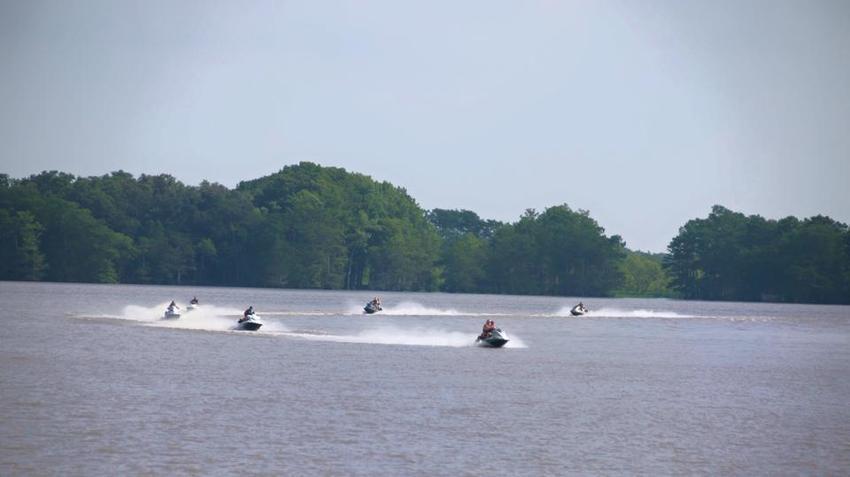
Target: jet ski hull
<point x="369" y="309"/>
<point x="577" y="311"/>
<point x="251" y="323"/>
<point x="492" y="342"/>
<point x="249" y="326"/>
<point x="170" y="316"/>
<point x="496" y="339"/>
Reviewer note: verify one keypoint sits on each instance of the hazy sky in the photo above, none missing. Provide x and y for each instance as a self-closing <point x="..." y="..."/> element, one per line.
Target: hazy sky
<point x="646" y="113"/>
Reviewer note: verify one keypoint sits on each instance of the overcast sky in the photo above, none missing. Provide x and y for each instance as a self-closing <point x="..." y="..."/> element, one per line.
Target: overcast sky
<point x="646" y="113"/>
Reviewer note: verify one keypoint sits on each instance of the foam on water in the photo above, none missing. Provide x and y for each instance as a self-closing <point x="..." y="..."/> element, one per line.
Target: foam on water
<point x="216" y="318"/>
<point x="415" y="336"/>
<point x="298" y="313"/>
<point x="515" y="342"/>
<point x="620" y="313"/>
<point x="410" y="308"/>
<point x="205" y="317"/>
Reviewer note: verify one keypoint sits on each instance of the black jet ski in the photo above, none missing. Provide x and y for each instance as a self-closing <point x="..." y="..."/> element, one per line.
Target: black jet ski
<point x="578" y="310"/>
<point x="250" y="322"/>
<point x="494" y="339"/>
<point x="372" y="307"/>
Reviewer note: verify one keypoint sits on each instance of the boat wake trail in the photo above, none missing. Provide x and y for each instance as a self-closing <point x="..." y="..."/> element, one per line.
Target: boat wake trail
<point x="298" y="313"/>
<point x="205" y="318"/>
<point x="410" y="308"/>
<point x="619" y="313"/>
<point x="389" y="335"/>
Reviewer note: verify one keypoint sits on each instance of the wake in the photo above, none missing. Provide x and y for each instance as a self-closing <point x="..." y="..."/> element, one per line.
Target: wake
<point x="620" y="313"/>
<point x="224" y="319"/>
<point x="390" y="335"/>
<point x="410" y="308"/>
<point x="203" y="318"/>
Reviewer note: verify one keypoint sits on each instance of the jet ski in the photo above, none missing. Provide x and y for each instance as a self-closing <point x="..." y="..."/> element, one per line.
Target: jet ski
<point x="578" y="310"/>
<point x="171" y="314"/>
<point x="249" y="323"/>
<point x="494" y="339"/>
<point x="372" y="308"/>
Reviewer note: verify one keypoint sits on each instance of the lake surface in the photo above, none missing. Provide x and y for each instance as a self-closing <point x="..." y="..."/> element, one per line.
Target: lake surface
<point x="93" y="383"/>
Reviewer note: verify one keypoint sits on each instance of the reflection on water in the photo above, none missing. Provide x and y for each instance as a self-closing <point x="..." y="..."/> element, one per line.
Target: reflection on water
<point x="94" y="382"/>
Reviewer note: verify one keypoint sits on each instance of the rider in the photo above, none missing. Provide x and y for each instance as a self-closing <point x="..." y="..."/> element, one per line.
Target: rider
<point x="194" y="301"/>
<point x="489" y="326"/>
<point x="172" y="306"/>
<point x="249" y="311"/>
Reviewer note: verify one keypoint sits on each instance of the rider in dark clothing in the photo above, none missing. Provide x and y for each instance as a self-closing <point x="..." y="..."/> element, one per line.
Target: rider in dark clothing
<point x="249" y="311"/>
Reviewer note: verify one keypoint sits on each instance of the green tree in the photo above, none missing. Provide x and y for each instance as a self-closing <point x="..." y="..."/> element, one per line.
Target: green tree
<point x="644" y="276"/>
<point x="79" y="248"/>
<point x="343" y="230"/>
<point x="558" y="252"/>
<point x="452" y="224"/>
<point x="464" y="262"/>
<point x="20" y="254"/>
<point x="729" y="256"/>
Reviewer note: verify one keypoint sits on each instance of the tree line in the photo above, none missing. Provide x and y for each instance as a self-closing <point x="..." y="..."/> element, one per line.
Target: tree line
<point x="730" y="256"/>
<point x="304" y="227"/>
<point x="309" y="226"/>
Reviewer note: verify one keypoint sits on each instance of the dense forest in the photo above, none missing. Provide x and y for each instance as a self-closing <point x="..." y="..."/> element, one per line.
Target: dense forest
<point x="557" y="252"/>
<point x="304" y="227"/>
<point x="730" y="256"/>
<point x="309" y="226"/>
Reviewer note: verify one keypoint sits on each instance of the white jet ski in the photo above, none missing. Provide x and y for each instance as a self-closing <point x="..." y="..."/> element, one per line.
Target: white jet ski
<point x="494" y="339"/>
<point x="171" y="314"/>
<point x="249" y="323"/>
<point x="578" y="310"/>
